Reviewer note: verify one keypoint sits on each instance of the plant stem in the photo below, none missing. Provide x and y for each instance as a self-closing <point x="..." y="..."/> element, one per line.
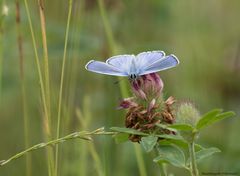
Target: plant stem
<point x="107" y="27"/>
<point x="1" y="47"/>
<point x="1" y="62"/>
<point x="46" y="77"/>
<point x="45" y="58"/>
<point x="23" y="88"/>
<point x="85" y="135"/>
<point x="140" y="160"/>
<point x="61" y="84"/>
<point x="162" y="169"/>
<point x="50" y="157"/>
<point x="193" y="164"/>
<point x="111" y="42"/>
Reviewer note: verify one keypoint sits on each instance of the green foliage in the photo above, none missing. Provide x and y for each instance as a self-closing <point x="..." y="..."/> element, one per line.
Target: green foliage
<point x="180" y="143"/>
<point x="171" y="148"/>
<point x="182" y="127"/>
<point x="121" y="137"/>
<point x="204" y="153"/>
<point x="128" y="131"/>
<point x="213" y="117"/>
<point x="169" y="136"/>
<point x="149" y="142"/>
<point x="170" y="154"/>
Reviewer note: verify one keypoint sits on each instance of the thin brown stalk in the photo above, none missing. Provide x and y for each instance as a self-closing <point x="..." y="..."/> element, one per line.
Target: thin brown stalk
<point x="43" y="94"/>
<point x="45" y="57"/>
<point x="50" y="152"/>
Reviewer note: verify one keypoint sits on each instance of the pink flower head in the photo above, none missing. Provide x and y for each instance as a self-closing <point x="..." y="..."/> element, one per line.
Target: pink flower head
<point x="146" y="86"/>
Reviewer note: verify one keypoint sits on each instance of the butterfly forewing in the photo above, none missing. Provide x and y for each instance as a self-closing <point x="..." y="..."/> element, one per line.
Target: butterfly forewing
<point x="103" y="68"/>
<point x="145" y="59"/>
<point x="161" y="64"/>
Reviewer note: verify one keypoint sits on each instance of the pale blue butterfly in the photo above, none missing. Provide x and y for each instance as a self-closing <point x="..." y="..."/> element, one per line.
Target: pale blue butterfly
<point x="134" y="66"/>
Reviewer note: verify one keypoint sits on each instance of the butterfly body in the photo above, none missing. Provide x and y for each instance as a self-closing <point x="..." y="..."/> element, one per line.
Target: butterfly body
<point x="134" y="66"/>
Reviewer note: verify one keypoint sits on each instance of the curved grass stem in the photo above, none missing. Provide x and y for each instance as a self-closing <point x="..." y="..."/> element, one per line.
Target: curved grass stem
<point x="85" y="135"/>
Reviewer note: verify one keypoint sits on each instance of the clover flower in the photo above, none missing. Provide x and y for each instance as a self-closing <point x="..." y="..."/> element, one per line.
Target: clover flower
<point x="147" y="86"/>
<point x="147" y="108"/>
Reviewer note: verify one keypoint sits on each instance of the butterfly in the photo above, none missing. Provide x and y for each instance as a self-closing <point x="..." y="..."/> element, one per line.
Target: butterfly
<point x="134" y="66"/>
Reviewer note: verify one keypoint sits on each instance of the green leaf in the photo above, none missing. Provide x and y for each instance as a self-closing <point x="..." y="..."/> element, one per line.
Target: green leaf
<point x="128" y="130"/>
<point x="213" y="117"/>
<point x="206" y="117"/>
<point x="121" y="137"/>
<point x="204" y="153"/>
<point x="148" y="142"/>
<point x="183" y="127"/>
<point x="180" y="143"/>
<point x="163" y="126"/>
<point x="170" y="136"/>
<point x="171" y="154"/>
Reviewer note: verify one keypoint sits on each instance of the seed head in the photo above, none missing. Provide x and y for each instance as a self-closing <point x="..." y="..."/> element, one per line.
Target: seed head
<point x="187" y="113"/>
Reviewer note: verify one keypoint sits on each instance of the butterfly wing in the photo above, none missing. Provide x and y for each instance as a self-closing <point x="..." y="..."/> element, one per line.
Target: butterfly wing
<point x="104" y="68"/>
<point x="161" y="64"/>
<point x="145" y="59"/>
<point x="122" y="62"/>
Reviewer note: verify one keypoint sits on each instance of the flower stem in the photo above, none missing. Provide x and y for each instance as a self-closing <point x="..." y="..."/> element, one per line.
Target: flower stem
<point x="140" y="160"/>
<point x="193" y="164"/>
<point x="162" y="169"/>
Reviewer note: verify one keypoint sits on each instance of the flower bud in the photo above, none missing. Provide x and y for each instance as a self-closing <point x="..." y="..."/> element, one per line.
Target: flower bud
<point x="147" y="86"/>
<point x="187" y="113"/>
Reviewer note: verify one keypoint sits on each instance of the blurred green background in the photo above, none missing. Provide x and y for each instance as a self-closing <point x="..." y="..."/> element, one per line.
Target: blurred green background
<point x="204" y="35"/>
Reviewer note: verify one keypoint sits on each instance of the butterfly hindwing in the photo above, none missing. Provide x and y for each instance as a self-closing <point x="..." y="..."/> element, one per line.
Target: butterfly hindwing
<point x="104" y="68"/>
<point x="161" y="64"/>
<point x="147" y="58"/>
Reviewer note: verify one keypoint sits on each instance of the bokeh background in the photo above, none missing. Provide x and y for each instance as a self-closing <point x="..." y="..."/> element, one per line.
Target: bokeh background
<point x="204" y="35"/>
